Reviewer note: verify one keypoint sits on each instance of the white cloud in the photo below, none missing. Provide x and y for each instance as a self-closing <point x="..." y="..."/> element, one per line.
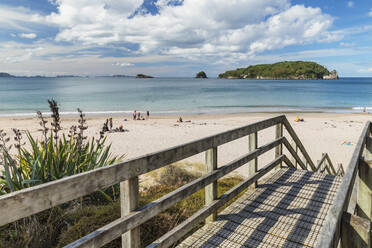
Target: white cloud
<point x="206" y="31"/>
<point x="346" y="44"/>
<point x="197" y="28"/>
<point x="28" y="35"/>
<point x="350" y="4"/>
<point x="123" y="64"/>
<point x="365" y="70"/>
<point x="18" y="18"/>
<point x="370" y="12"/>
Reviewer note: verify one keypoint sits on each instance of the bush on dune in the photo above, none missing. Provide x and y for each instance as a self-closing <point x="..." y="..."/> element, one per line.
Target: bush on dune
<point x="95" y="217"/>
<point x="55" y="156"/>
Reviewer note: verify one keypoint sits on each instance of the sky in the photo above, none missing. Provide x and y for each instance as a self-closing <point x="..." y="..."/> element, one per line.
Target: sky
<point x="181" y="37"/>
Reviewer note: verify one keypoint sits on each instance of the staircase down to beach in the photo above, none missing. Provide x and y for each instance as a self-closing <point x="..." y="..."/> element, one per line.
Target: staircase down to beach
<point x="288" y="210"/>
<point x="289" y="202"/>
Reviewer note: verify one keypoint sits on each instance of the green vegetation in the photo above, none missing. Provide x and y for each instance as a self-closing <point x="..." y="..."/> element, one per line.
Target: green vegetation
<point x="58" y="155"/>
<point x="143" y="76"/>
<point x="281" y="70"/>
<point x="201" y="74"/>
<point x="62" y="225"/>
<point x="54" y="157"/>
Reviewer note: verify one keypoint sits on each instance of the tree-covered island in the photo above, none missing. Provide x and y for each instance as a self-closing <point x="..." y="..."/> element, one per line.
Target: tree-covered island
<point x="282" y="70"/>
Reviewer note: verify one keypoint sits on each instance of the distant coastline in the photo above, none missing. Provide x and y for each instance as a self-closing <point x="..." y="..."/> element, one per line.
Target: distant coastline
<point x="8" y="75"/>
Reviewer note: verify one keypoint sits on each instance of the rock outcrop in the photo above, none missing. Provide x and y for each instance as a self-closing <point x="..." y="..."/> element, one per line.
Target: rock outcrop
<point x="143" y="76"/>
<point x="201" y="75"/>
<point x="332" y="76"/>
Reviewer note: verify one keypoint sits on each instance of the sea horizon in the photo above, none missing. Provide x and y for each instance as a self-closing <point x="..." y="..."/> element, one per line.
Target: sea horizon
<point x="103" y="96"/>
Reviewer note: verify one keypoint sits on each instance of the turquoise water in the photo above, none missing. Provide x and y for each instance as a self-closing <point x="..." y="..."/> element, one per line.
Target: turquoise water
<point x="23" y="96"/>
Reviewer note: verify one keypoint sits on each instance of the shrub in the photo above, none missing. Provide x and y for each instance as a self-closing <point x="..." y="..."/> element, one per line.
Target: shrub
<point x="54" y="157"/>
<point x="90" y="218"/>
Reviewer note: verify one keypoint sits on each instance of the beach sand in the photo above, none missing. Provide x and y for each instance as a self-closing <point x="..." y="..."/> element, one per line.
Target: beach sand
<point x="320" y="132"/>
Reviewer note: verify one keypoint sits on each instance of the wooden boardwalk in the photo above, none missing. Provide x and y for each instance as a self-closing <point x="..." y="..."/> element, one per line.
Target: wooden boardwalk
<point x="288" y="210"/>
<point x="292" y="208"/>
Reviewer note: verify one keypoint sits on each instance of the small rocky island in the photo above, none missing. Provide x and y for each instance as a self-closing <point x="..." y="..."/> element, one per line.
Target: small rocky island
<point x="296" y="70"/>
<point x="143" y="76"/>
<point x="201" y="74"/>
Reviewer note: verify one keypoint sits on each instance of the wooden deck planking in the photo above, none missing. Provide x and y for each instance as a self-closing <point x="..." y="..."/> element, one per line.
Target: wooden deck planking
<point x="288" y="210"/>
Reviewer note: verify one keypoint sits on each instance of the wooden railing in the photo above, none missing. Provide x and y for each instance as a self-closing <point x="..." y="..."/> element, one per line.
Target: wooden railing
<point x="33" y="200"/>
<point x="325" y="164"/>
<point x="349" y="220"/>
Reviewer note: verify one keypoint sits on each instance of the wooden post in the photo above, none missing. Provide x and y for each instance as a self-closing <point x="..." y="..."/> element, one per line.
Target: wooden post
<point x="279" y="148"/>
<point x="211" y="189"/>
<point x="355" y="231"/>
<point x="129" y="202"/>
<point x="252" y="165"/>
<point x="295" y="148"/>
<point x="364" y="201"/>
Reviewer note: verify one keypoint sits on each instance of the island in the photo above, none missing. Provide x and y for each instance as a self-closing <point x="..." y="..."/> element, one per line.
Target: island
<point x="4" y="74"/>
<point x="201" y="74"/>
<point x="282" y="70"/>
<point x="143" y="76"/>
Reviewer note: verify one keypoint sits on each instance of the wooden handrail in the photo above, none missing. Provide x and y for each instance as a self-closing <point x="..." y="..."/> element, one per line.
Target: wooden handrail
<point x="113" y="230"/>
<point x="331" y="228"/>
<point x="320" y="162"/>
<point x="33" y="200"/>
<point x="29" y="201"/>
<point x="330" y="164"/>
<point x="294" y="154"/>
<point x="179" y="231"/>
<point x="298" y="143"/>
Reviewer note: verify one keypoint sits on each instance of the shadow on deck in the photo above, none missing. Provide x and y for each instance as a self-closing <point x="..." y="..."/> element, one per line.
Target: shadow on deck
<point x="288" y="210"/>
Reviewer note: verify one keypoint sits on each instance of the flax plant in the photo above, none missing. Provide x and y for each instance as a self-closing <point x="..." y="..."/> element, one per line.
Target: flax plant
<point x="54" y="156"/>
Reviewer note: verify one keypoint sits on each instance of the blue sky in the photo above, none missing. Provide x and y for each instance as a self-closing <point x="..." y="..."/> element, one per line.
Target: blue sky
<point x="181" y="37"/>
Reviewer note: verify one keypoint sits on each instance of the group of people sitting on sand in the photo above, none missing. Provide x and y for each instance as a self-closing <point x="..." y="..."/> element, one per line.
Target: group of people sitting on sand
<point x="138" y="116"/>
<point x="108" y="127"/>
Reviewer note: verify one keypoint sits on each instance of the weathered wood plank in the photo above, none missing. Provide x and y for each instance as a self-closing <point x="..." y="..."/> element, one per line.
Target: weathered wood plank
<point x="295" y="149"/>
<point x="252" y="165"/>
<point x="211" y="189"/>
<point x="330" y="236"/>
<point x="33" y="200"/>
<point x="278" y="134"/>
<point x="129" y="198"/>
<point x="331" y="165"/>
<point x="326" y="165"/>
<point x="113" y="230"/>
<point x="264" y="218"/>
<point x="364" y="195"/>
<point x="186" y="226"/>
<point x="355" y="231"/>
<point x="320" y="162"/>
<point x="294" y="136"/>
<point x="294" y="154"/>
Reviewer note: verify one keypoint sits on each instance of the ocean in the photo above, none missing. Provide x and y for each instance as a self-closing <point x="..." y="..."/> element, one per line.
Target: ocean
<point x="109" y="95"/>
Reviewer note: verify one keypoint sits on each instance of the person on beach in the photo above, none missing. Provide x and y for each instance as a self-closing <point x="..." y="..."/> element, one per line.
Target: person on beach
<point x="110" y="123"/>
<point x="147" y="114"/>
<point x="139" y="116"/>
<point x="134" y="115"/>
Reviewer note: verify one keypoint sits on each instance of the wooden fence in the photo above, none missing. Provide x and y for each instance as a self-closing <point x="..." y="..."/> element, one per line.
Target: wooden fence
<point x="33" y="200"/>
<point x="349" y="220"/>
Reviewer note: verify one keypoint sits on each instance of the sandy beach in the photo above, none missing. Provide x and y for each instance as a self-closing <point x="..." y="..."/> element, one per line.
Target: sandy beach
<point x="320" y="132"/>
